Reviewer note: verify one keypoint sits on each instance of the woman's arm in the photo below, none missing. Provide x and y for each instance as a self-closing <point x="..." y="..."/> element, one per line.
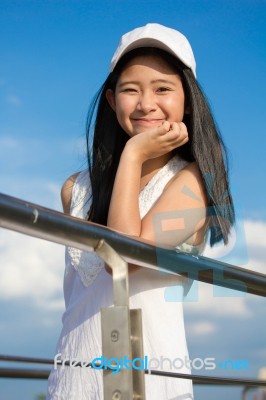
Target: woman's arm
<point x="157" y="142"/>
<point x="184" y="195"/>
<point x="180" y="213"/>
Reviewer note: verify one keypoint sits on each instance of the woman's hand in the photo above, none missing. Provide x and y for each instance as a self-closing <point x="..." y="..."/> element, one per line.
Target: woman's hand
<point x="157" y="141"/>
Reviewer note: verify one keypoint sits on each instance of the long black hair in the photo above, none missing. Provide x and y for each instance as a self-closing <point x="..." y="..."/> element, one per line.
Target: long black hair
<point x="106" y="141"/>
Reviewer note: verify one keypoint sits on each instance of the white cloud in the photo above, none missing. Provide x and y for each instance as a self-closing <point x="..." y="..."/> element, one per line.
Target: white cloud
<point x="55" y="305"/>
<point x="33" y="268"/>
<point x="256" y="232"/>
<point x="30" y="268"/>
<point x="201" y="328"/>
<point x="8" y="143"/>
<point x="256" y="240"/>
<point x="252" y="240"/>
<point x="13" y="100"/>
<point x="39" y="191"/>
<point x="224" y="302"/>
<point x="226" y="326"/>
<point x="219" y="302"/>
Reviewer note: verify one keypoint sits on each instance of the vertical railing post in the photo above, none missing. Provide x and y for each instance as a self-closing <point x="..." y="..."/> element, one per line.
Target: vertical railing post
<point x="121" y="334"/>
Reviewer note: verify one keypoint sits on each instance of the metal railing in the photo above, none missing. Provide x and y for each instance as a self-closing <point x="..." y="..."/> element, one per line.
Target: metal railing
<point x="117" y="250"/>
<point x="43" y="374"/>
<point x="43" y="223"/>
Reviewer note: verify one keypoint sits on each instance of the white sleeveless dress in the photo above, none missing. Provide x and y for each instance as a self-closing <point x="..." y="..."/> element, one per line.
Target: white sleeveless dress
<point x="88" y="288"/>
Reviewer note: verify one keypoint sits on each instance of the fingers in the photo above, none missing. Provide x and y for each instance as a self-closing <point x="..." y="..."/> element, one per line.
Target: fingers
<point x="159" y="140"/>
<point x="165" y="127"/>
<point x="174" y="134"/>
<point x="177" y="134"/>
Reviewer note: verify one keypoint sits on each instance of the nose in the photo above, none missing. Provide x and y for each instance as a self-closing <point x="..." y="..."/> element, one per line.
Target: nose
<point x="147" y="102"/>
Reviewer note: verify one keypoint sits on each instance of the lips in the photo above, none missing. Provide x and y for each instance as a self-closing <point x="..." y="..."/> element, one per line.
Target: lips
<point x="148" y="121"/>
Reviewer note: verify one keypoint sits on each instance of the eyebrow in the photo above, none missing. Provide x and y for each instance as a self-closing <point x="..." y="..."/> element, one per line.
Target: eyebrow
<point x="165" y="81"/>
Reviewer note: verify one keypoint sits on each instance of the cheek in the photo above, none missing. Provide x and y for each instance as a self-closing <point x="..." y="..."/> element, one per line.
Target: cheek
<point x="124" y="106"/>
<point x="174" y="107"/>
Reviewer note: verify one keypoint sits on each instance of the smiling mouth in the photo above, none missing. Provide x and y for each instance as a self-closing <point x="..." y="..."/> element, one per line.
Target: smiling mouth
<point x="145" y="121"/>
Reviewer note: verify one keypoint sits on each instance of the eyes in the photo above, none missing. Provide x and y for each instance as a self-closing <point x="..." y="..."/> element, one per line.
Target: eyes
<point x="164" y="89"/>
<point x="159" y="90"/>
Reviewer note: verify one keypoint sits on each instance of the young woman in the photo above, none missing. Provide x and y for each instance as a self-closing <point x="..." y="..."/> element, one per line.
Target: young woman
<point x="157" y="171"/>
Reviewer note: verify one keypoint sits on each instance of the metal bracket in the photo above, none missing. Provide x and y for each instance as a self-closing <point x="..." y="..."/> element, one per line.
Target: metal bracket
<point x="121" y="335"/>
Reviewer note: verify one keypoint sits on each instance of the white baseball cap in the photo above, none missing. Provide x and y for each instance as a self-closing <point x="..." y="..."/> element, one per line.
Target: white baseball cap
<point x="156" y="35"/>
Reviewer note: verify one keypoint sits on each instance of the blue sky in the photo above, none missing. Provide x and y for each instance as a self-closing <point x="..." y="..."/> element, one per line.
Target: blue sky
<point x="54" y="56"/>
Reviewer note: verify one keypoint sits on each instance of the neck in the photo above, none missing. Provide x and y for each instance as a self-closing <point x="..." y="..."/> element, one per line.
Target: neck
<point x="154" y="164"/>
<point x="151" y="167"/>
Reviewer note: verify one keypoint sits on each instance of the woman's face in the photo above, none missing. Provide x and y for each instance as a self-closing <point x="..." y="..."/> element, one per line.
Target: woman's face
<point x="147" y="93"/>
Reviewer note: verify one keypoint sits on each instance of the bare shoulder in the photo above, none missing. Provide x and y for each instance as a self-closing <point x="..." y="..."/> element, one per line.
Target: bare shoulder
<point x="181" y="210"/>
<point x="66" y="192"/>
<point x="190" y="179"/>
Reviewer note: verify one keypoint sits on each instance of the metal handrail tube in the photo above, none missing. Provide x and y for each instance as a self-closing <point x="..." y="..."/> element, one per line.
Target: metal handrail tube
<point x="44" y="223"/>
<point x="21" y="373"/>
<point x="31" y="360"/>
<point x="209" y="380"/>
